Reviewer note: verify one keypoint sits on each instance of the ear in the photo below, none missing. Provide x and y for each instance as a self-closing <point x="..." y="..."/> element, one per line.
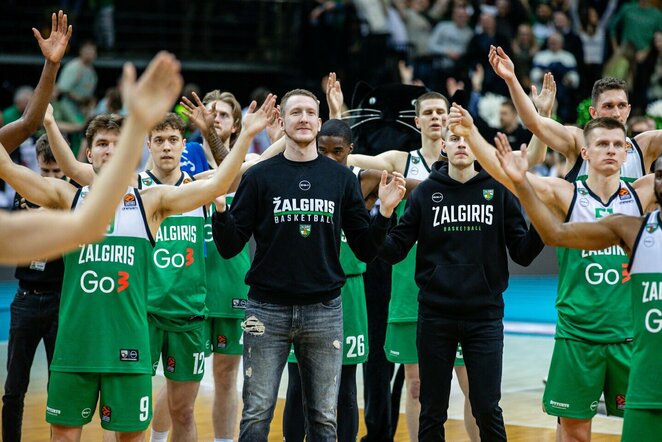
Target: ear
<point x="319" y="124"/>
<point x="584" y="152"/>
<point x="88" y="154"/>
<point x="418" y="125"/>
<point x="593" y="112"/>
<point x="351" y="148"/>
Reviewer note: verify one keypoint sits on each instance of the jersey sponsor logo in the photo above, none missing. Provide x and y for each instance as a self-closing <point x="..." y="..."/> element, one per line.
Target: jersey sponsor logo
<point x="413" y="171"/>
<point x="91" y="282"/>
<point x="583" y="202"/>
<point x="187" y="180"/>
<point x="476" y="213"/>
<point x="147" y="181"/>
<point x="239" y="303"/>
<point x="304" y="185"/>
<point x="105" y="413"/>
<point x="560" y="405"/>
<point x="177" y="233"/>
<point x="649" y="241"/>
<point x="106" y="253"/>
<point x="304" y="230"/>
<point x="620" y="401"/>
<point x="437" y="197"/>
<point x="628" y="147"/>
<point x="86" y="413"/>
<point x="221" y="341"/>
<point x="594" y="405"/>
<point x="596" y="274"/>
<point x="163" y="258"/>
<point x="129" y="355"/>
<point x="303" y="210"/>
<point x="601" y="212"/>
<point x="624" y="194"/>
<point x="170" y="364"/>
<point x="652" y="291"/>
<point x="488" y="194"/>
<point x="129" y="201"/>
<point x="53" y="411"/>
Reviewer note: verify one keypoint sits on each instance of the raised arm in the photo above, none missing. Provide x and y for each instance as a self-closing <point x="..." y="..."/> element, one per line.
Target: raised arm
<point x="644" y="187"/>
<point x="82" y="173"/>
<point x="183" y="198"/>
<point x="650" y="143"/>
<point x="614" y="229"/>
<point x="203" y="119"/>
<point x="53" y="47"/>
<point x="387" y="161"/>
<point x="334" y="97"/>
<point x="552" y="133"/>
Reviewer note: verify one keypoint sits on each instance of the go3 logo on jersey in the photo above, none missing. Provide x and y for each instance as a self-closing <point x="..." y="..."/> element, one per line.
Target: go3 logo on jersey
<point x="163" y="258"/>
<point x="91" y="282"/>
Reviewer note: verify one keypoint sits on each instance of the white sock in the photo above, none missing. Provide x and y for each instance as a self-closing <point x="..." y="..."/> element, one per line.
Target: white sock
<point x="158" y="436"/>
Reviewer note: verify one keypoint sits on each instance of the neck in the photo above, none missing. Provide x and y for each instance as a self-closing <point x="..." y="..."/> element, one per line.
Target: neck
<point x="461" y="174"/>
<point x="300" y="152"/>
<point x="165" y="177"/>
<point x="430" y="149"/>
<point x="602" y="185"/>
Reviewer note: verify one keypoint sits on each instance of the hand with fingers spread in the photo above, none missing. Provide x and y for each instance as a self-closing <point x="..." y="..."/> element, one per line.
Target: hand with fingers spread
<point x="514" y="164"/>
<point x="334" y="96"/>
<point x="502" y="64"/>
<point x="148" y="99"/>
<point x="391" y="193"/>
<point x="460" y="121"/>
<point x="199" y="115"/>
<point x="54" y="46"/>
<point x="274" y="128"/>
<point x="256" y="121"/>
<point x="544" y="100"/>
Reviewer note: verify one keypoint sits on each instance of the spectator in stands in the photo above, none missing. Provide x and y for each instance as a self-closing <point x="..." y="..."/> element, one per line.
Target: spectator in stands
<point x="449" y="42"/>
<point x="510" y="14"/>
<point x="543" y="26"/>
<point x="77" y="82"/>
<point x="593" y="33"/>
<point x="639" y="124"/>
<point x="563" y="66"/>
<point x="479" y="47"/>
<point x="655" y="79"/>
<point x="22" y="97"/>
<point x="571" y="41"/>
<point x="524" y="48"/>
<point x="261" y="141"/>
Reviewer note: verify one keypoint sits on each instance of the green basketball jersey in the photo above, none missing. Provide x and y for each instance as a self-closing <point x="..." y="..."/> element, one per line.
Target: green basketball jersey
<point x="103" y="309"/>
<point x="593" y="299"/>
<point x="226" y="290"/>
<point x="404" y="291"/>
<point x="177" y="281"/>
<point x="350" y="264"/>
<point x="631" y="170"/>
<point x="646" y="284"/>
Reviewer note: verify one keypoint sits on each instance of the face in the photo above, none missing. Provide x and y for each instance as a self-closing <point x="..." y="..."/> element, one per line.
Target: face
<point x="458" y="151"/>
<point x="432" y="118"/>
<point x="300" y="119"/>
<point x="88" y="53"/>
<point x="102" y="148"/>
<point x="224" y="123"/>
<point x="335" y="148"/>
<point x="460" y="16"/>
<point x="606" y="150"/>
<point x="49" y="169"/>
<point x="166" y="147"/>
<point x="487" y="22"/>
<point x="612" y="103"/>
<point x="554" y="43"/>
<point x="507" y="117"/>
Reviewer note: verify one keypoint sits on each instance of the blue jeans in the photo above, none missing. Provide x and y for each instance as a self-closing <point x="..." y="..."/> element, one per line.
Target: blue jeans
<point x="482" y="347"/>
<point x="316" y="332"/>
<point x="34" y="316"/>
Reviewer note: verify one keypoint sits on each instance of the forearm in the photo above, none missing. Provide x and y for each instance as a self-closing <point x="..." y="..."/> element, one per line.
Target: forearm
<point x="546" y="223"/>
<point x="13" y="134"/>
<point x="227" y="239"/>
<point x="525" y="107"/>
<point x="71" y="167"/>
<point x="216" y="145"/>
<point x="486" y="156"/>
<point x="29" y="185"/>
<point x="528" y="248"/>
<point x="367" y="244"/>
<point x="536" y="151"/>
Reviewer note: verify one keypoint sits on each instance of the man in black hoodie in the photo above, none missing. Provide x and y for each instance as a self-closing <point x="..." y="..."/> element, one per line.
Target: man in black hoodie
<point x="460" y="217"/>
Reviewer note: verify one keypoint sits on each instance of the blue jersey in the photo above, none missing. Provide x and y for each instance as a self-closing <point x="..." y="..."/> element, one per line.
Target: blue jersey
<point x="193" y="159"/>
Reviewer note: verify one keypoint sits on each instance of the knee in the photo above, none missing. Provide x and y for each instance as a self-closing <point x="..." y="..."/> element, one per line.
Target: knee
<point x="61" y="433"/>
<point x="182" y="413"/>
<point x="134" y="436"/>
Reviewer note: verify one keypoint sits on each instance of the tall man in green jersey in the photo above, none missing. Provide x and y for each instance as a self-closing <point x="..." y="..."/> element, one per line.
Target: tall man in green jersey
<point x="608" y="99"/>
<point x="641" y="238"/>
<point x="594" y="328"/>
<point x="155" y="204"/>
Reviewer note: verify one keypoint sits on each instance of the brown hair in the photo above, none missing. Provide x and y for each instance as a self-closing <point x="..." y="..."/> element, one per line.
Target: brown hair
<point x="298" y="92"/>
<point x="607" y="84"/>
<point x="429" y="96"/>
<point x="171" y="121"/>
<point x="228" y="98"/>
<point x="602" y="123"/>
<point x="112" y="122"/>
<point x="43" y="148"/>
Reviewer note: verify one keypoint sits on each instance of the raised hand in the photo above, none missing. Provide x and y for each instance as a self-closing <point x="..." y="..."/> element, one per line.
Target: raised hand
<point x="544" y="100"/>
<point x="460" y="121"/>
<point x="155" y="92"/>
<point x="514" y="164"/>
<point x="391" y="193"/>
<point x="48" y="116"/>
<point x="199" y="115"/>
<point x="54" y="46"/>
<point x="274" y="128"/>
<point x="502" y="64"/>
<point x="256" y="121"/>
<point x="334" y="96"/>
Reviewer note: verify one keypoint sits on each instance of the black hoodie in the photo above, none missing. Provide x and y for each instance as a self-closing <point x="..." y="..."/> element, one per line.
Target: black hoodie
<point x="463" y="230"/>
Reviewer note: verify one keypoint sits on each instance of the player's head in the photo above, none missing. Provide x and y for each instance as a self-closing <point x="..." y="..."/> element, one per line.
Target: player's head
<point x="300" y="116"/>
<point x="166" y="142"/>
<point x="334" y="141"/>
<point x="639" y="124"/>
<point x="606" y="148"/>
<point x="458" y="151"/>
<point x="508" y="116"/>
<point x="48" y="167"/>
<point x="228" y="115"/>
<point x="101" y="136"/>
<point x="609" y="98"/>
<point x="431" y="114"/>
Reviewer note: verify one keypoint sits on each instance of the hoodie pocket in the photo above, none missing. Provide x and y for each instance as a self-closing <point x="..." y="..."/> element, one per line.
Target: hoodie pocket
<point x="459" y="280"/>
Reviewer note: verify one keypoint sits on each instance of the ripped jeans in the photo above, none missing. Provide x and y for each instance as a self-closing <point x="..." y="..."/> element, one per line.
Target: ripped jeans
<point x="315" y="330"/>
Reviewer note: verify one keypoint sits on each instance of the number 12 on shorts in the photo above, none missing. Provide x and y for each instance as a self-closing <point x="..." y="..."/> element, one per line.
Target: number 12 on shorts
<point x="199" y="363"/>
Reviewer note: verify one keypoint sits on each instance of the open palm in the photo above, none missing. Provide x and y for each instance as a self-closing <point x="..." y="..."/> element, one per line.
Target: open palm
<point x="514" y="164"/>
<point x="55" y="45"/>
